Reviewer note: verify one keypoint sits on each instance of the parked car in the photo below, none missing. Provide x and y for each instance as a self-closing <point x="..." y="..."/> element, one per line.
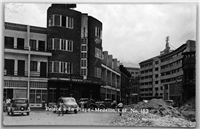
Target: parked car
<point x="87" y="103"/>
<point x="107" y="103"/>
<point x="70" y="104"/>
<point x="18" y="105"/>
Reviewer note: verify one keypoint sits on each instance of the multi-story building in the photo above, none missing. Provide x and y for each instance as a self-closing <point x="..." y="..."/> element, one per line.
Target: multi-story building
<point x="134" y="84"/>
<point x="162" y="76"/>
<point x="25" y="63"/>
<point x="189" y="71"/>
<point x="74" y="40"/>
<point x="133" y="71"/>
<point x="146" y="79"/>
<point x="172" y="72"/>
<point x="110" y="88"/>
<point x="63" y="59"/>
<point x="125" y="85"/>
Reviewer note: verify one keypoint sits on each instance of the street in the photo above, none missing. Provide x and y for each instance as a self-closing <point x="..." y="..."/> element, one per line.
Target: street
<point x="49" y="118"/>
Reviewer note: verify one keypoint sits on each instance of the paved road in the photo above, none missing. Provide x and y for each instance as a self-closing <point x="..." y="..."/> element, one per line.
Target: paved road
<point x="49" y="118"/>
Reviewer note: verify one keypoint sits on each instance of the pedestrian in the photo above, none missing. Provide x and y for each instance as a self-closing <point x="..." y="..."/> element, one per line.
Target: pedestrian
<point x="120" y="106"/>
<point x="60" y="108"/>
<point x="114" y="104"/>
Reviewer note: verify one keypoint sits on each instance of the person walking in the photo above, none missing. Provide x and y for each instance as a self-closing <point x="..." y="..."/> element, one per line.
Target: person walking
<point x="120" y="106"/>
<point x="61" y="108"/>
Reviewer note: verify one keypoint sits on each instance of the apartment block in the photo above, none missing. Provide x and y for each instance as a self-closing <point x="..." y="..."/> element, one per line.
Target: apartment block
<point x="111" y="76"/>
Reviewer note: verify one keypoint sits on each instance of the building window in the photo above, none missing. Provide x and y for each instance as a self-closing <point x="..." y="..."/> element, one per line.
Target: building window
<point x="9" y="66"/>
<point x="83" y="63"/>
<point x="52" y="95"/>
<point x="33" y="44"/>
<point x="84" y="41"/>
<point x="156" y="76"/>
<point x="33" y="66"/>
<point x="55" y="67"/>
<point x="98" y="32"/>
<point x="156" y="69"/>
<point x="20" y="43"/>
<point x="83" y="55"/>
<point x="98" y="53"/>
<point x="41" y="45"/>
<point x="83" y="71"/>
<point x="62" y="21"/>
<point x="56" y="20"/>
<point x="70" y="45"/>
<point x="63" y="44"/>
<point x="9" y="42"/>
<point x="97" y="72"/>
<point x="83" y="48"/>
<point x="56" y="43"/>
<point x="60" y="67"/>
<point x="156" y="62"/>
<point x="60" y="44"/>
<point x="37" y="96"/>
<point x="70" y="23"/>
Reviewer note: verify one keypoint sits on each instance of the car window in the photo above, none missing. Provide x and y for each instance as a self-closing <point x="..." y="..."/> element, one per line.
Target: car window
<point x="20" y="101"/>
<point x="69" y="100"/>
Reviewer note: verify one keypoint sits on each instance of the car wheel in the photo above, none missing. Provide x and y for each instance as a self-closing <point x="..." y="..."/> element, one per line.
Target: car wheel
<point x="92" y="107"/>
<point x="28" y="113"/>
<point x="101" y="107"/>
<point x="66" y="112"/>
<point x="75" y="111"/>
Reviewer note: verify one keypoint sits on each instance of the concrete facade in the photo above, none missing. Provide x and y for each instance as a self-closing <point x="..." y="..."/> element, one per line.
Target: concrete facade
<point x="19" y="78"/>
<point x="134" y="84"/>
<point x="110" y="88"/>
<point x="162" y="76"/>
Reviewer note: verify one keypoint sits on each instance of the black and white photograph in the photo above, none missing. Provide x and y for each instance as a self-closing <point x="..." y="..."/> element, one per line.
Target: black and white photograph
<point x="99" y="64"/>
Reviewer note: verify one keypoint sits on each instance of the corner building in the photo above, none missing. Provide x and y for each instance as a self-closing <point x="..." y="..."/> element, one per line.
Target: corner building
<point x="171" y="75"/>
<point x="63" y="59"/>
<point x="74" y="39"/>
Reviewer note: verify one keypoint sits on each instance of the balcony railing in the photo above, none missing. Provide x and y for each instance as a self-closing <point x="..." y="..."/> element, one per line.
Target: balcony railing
<point x="25" y="48"/>
<point x="15" y="73"/>
<point x="16" y="47"/>
<point x="24" y="73"/>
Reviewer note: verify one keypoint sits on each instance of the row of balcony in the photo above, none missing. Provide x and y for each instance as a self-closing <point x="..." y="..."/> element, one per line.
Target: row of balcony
<point x="26" y="48"/>
<point x="24" y="73"/>
<point x="171" y="68"/>
<point x="172" y="75"/>
<point x="172" y="60"/>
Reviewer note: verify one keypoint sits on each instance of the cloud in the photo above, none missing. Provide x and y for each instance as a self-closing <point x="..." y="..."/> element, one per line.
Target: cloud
<point x="131" y="32"/>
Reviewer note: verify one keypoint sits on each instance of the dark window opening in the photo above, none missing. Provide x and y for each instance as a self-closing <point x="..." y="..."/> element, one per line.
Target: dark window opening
<point x="21" y="67"/>
<point x="41" y="46"/>
<point x="33" y="66"/>
<point x="63" y="21"/>
<point x="33" y="44"/>
<point x="20" y="43"/>
<point x="9" y="42"/>
<point x="9" y="67"/>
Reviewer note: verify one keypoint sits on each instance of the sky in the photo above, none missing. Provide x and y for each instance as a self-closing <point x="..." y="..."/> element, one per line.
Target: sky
<point x="131" y="32"/>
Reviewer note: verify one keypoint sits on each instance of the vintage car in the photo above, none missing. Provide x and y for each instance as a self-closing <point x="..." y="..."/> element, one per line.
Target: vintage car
<point x="87" y="103"/>
<point x="107" y="103"/>
<point x="18" y="105"/>
<point x="69" y="103"/>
